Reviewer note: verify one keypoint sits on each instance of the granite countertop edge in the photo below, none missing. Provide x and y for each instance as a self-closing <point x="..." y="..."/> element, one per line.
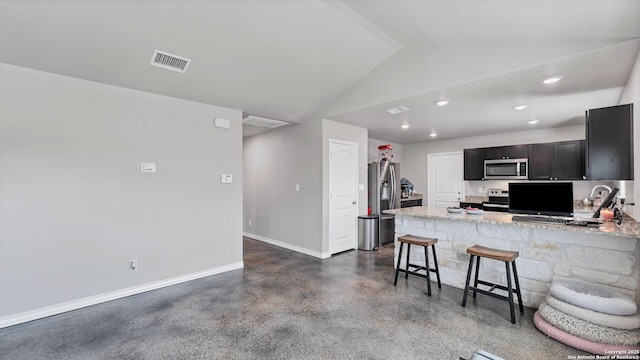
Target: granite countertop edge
<point x="629" y="228"/>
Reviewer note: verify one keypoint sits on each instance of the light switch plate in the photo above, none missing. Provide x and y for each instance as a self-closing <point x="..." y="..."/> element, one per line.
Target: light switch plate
<point x="226" y="178"/>
<point x="148" y="168"/>
<point x="361" y="187"/>
<point x="222" y="123"/>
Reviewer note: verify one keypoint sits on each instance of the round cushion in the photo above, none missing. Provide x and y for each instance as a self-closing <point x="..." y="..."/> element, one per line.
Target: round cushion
<point x="577" y="342"/>
<point x="587" y="330"/>
<point x="627" y="322"/>
<point x="593" y="297"/>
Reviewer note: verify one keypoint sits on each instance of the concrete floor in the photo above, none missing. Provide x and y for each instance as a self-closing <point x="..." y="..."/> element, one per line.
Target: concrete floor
<point x="286" y="305"/>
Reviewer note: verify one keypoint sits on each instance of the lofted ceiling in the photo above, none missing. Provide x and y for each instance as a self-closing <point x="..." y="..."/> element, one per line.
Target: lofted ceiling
<point x="346" y="60"/>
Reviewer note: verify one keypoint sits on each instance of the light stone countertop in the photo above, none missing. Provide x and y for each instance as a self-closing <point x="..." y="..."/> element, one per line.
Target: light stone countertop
<point x="629" y="227"/>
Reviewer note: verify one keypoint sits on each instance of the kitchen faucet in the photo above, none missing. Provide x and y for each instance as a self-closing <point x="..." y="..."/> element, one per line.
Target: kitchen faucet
<point x="593" y="191"/>
<point x="588" y="201"/>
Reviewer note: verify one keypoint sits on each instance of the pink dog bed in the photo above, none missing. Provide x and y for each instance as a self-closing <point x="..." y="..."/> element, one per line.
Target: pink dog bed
<point x="579" y="343"/>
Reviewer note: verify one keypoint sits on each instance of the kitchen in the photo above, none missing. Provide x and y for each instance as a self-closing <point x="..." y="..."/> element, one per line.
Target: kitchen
<point x="598" y="252"/>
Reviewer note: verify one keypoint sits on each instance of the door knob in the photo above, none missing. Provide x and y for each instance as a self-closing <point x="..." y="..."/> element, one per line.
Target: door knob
<point x="354" y="202"/>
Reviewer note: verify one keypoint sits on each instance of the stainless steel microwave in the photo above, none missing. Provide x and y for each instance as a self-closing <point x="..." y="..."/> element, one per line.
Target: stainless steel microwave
<point x="506" y="169"/>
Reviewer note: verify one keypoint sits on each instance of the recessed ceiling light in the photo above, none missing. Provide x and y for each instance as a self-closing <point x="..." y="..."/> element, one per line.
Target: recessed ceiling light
<point x="552" y="79"/>
<point x="533" y="122"/>
<point x="397" y="110"/>
<point x="433" y="134"/>
<point x="442" y="102"/>
<point x="520" y="107"/>
<point x="405" y="126"/>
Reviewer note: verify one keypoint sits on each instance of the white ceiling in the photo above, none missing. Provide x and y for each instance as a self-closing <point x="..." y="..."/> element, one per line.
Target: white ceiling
<point x="346" y="60"/>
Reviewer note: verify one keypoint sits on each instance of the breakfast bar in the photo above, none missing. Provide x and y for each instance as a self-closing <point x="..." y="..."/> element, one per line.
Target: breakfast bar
<point x="605" y="254"/>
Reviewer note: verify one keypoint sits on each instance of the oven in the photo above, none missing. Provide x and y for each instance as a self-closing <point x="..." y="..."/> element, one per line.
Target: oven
<point x="498" y="201"/>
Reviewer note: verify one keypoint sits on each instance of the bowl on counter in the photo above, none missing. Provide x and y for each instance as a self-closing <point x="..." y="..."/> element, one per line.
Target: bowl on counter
<point x="454" y="210"/>
<point x="474" y="211"/>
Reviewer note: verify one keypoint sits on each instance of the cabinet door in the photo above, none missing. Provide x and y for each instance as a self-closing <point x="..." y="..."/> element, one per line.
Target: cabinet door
<point x="507" y="152"/>
<point x="568" y="160"/>
<point x="515" y="152"/>
<point x="493" y="153"/>
<point x="541" y="161"/>
<point x="610" y="143"/>
<point x="474" y="164"/>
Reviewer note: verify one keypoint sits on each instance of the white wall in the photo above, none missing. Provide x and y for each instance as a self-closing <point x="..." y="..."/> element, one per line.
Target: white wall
<point x="414" y="156"/>
<point x="631" y="94"/>
<point x="339" y="131"/>
<point x="75" y="208"/>
<point x="274" y="163"/>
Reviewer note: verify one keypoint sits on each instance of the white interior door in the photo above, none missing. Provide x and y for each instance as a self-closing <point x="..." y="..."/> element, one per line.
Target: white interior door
<point x="343" y="196"/>
<point x="446" y="179"/>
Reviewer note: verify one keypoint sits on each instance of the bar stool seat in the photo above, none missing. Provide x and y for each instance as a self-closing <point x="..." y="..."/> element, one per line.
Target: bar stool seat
<point x="508" y="257"/>
<point x="426" y="243"/>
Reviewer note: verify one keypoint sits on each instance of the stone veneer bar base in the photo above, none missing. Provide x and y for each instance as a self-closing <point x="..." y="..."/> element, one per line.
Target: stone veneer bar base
<point x="546" y="252"/>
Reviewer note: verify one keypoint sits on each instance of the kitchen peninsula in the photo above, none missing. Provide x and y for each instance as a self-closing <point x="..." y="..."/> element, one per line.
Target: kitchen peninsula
<point x="605" y="255"/>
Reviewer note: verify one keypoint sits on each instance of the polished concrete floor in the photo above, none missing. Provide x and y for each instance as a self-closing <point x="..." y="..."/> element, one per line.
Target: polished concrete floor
<point x="286" y="305"/>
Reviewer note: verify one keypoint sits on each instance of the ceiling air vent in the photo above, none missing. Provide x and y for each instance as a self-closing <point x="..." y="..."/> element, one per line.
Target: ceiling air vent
<point x="170" y="61"/>
<point x="263" y="122"/>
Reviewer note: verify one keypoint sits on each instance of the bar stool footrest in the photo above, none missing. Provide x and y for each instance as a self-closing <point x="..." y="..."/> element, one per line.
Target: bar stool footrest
<point x="493" y="286"/>
<point x="485" y="292"/>
<point x="415" y="272"/>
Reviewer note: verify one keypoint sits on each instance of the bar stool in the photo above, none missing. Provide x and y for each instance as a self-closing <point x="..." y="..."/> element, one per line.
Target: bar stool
<point x="424" y="242"/>
<point x="509" y="257"/>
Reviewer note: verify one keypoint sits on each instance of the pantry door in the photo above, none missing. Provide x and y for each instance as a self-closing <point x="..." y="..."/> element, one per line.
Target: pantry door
<point x="343" y="196"/>
<point x="445" y="174"/>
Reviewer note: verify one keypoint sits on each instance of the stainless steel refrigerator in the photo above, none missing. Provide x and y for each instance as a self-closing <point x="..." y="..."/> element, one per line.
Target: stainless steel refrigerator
<point x="384" y="194"/>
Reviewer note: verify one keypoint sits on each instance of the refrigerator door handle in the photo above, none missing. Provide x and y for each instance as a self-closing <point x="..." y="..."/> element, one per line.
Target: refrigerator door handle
<point x="392" y="197"/>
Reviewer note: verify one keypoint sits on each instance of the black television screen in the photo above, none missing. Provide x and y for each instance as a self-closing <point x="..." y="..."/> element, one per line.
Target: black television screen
<point x="548" y="198"/>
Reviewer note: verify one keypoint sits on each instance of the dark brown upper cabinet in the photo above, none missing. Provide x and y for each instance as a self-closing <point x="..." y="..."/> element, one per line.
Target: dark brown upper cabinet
<point x="610" y="143"/>
<point x="507" y="152"/>
<point x="569" y="160"/>
<point x="541" y="161"/>
<point x="474" y="164"/>
<point x="557" y="161"/>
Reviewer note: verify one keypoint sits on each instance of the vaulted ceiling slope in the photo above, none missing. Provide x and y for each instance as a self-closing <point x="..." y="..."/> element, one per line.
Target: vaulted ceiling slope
<point x="342" y="59"/>
<point x="276" y="58"/>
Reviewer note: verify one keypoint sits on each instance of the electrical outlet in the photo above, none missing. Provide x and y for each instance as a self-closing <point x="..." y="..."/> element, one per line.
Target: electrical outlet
<point x="250" y="223"/>
<point x="133" y="264"/>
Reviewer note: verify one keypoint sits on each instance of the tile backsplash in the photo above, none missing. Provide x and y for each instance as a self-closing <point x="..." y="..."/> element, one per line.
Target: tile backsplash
<point x="581" y="189"/>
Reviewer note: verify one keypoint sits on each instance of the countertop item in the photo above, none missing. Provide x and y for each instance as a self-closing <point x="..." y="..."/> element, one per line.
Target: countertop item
<point x="474" y="211"/>
<point x="455" y="210"/>
<point x="628" y="228"/>
<point x="412" y="197"/>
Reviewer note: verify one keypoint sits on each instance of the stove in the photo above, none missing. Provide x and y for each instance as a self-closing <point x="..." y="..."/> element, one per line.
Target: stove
<point x="498" y="201"/>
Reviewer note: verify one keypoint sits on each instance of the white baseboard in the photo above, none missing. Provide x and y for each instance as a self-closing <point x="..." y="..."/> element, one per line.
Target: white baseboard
<point x="316" y="254"/>
<point x="93" y="300"/>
